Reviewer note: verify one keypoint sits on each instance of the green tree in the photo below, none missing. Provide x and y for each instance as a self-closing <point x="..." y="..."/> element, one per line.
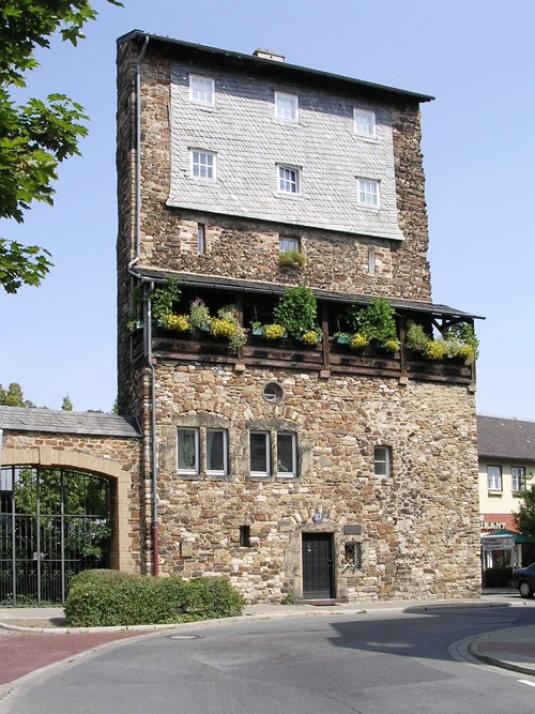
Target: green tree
<point x="66" y="404"/>
<point x="13" y="396"/>
<point x="37" y="136"/>
<point x="525" y="518"/>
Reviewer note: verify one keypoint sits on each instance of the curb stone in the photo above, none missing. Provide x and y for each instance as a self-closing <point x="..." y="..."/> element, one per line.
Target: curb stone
<point x="288" y="612"/>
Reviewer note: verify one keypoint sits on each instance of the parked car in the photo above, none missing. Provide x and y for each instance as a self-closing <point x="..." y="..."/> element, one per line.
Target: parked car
<point x="524" y="580"/>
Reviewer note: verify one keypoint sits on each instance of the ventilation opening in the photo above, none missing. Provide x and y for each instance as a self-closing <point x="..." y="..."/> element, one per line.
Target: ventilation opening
<point x="272" y="393"/>
<point x="245" y="536"/>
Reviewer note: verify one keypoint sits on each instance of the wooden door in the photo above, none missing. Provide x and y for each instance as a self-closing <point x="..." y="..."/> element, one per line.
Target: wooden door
<point x="317" y="565"/>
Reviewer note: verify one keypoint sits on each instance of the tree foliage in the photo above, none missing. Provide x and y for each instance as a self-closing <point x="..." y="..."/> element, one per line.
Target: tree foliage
<point x="37" y="136"/>
<point x="13" y="396"/>
<point x="525" y="518"/>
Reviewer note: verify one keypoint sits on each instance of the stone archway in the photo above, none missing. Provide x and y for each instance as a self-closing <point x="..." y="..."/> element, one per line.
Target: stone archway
<point x="70" y="459"/>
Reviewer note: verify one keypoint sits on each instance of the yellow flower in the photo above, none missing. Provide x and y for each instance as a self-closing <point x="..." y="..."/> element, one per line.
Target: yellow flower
<point x="435" y="350"/>
<point x="358" y="341"/>
<point x="221" y="327"/>
<point x="467" y="353"/>
<point x="273" y="332"/>
<point x="392" y="345"/>
<point x="180" y="323"/>
<point x="310" y="337"/>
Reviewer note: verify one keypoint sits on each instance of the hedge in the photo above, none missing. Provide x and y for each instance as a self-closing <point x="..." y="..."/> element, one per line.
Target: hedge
<point x="109" y="597"/>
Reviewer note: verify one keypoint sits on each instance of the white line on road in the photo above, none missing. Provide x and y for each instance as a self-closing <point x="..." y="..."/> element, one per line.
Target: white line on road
<point x="525" y="681"/>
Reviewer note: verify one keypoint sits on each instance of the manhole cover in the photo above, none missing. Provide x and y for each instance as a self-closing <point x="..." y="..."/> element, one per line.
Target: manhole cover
<point x="186" y="637"/>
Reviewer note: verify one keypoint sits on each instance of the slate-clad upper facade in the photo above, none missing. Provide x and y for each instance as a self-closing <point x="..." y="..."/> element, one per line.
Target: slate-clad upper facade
<point x="249" y="142"/>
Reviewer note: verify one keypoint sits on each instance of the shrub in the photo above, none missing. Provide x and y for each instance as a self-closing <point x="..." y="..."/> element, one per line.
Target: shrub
<point x="106" y="598"/>
<point x="391" y="345"/>
<point x="292" y="259"/>
<point x="417" y="339"/>
<point x="221" y="327"/>
<point x="467" y="353"/>
<point x="228" y="325"/>
<point x="297" y="311"/>
<point x="273" y="332"/>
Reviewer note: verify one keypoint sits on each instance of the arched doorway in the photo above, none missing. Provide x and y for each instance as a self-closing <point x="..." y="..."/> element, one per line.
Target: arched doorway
<point x="54" y="523"/>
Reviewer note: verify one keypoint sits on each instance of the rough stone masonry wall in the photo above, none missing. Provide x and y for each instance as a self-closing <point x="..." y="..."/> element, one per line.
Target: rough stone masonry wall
<point x="116" y="458"/>
<point x="248" y="249"/>
<point x="418" y="529"/>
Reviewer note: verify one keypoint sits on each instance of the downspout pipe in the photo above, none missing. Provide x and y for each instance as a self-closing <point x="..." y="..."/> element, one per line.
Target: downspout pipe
<point x="148" y="316"/>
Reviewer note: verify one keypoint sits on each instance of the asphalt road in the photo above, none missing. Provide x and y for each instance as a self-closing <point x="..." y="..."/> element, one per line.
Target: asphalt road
<point x="372" y="664"/>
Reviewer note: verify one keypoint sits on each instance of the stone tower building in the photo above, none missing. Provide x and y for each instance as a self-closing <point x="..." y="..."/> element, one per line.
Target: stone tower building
<point x="302" y="470"/>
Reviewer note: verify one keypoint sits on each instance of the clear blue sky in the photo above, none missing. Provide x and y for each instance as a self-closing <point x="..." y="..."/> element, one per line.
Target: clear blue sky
<point x="476" y="57"/>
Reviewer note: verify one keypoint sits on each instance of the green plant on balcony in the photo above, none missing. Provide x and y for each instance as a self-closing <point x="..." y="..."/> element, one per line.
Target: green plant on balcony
<point x="292" y="259"/>
<point x="376" y="323"/>
<point x="459" y="342"/>
<point x="343" y="338"/>
<point x="227" y="326"/>
<point x="297" y="312"/>
<point x="199" y="315"/>
<point x="358" y="341"/>
<point x="164" y="298"/>
<point x="256" y="328"/>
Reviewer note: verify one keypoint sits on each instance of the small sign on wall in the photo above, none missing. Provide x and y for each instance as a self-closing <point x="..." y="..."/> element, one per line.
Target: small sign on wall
<point x="187" y="550"/>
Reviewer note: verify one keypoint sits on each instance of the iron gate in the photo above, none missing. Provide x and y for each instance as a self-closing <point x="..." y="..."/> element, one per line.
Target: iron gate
<point x="53" y="524"/>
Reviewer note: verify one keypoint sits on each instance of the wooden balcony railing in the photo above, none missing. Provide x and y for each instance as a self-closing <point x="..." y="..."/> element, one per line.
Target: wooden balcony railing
<point x="327" y="357"/>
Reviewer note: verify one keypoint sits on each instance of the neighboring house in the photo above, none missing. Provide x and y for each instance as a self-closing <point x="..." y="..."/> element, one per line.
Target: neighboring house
<point x="297" y="469"/>
<point x="506" y="466"/>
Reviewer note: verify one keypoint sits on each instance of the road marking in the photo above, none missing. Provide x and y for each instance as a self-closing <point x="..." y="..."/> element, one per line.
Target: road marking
<point x="525" y="681"/>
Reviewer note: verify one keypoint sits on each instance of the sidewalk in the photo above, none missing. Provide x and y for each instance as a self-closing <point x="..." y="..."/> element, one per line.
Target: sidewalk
<point x="513" y="648"/>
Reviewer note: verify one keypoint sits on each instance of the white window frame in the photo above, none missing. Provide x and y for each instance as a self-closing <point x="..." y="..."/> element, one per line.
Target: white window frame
<point x="196" y="470"/>
<point x="371" y="206"/>
<point x="491" y="478"/>
<point x="204" y="179"/>
<point x="368" y="113"/>
<point x="295" y="102"/>
<point x="218" y="472"/>
<point x="267" y="437"/>
<point x="518" y="476"/>
<point x="211" y="91"/>
<point x="293" y="472"/>
<point x="387" y="461"/>
<point x="287" y="239"/>
<point x="287" y="167"/>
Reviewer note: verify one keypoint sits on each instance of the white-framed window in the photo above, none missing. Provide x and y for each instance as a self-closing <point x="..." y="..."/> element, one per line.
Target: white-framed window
<point x="202" y="90"/>
<point x="368" y="192"/>
<point x="382" y="461"/>
<point x="216" y="452"/>
<point x="289" y="179"/>
<point x="286" y="454"/>
<point x="289" y="245"/>
<point x="260" y="453"/>
<point x="371" y="261"/>
<point x="494" y="478"/>
<point x="188" y="451"/>
<point x="201" y="239"/>
<point x="286" y="106"/>
<point x="518" y="475"/>
<point x="365" y="122"/>
<point x="203" y="164"/>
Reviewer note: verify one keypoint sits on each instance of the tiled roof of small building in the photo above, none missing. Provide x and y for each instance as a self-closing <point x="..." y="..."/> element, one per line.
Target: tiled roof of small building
<point x="506" y="438"/>
<point x="63" y="422"/>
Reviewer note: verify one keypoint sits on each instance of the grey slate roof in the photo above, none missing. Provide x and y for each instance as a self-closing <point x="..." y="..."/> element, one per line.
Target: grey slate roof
<point x="62" y="422"/>
<point x="506" y="438"/>
<point x="259" y="65"/>
<point x="224" y="283"/>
